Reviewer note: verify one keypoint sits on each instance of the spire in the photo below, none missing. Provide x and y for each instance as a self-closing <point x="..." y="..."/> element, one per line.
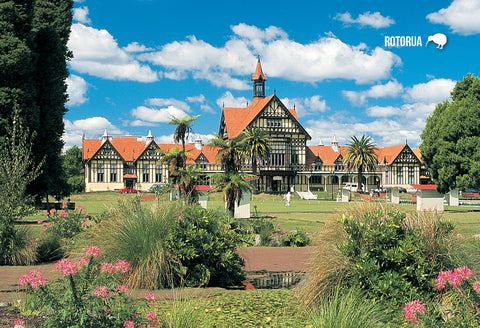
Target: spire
<point x="150" y="136"/>
<point x="335" y="144"/>
<point x="259" y="72"/>
<point x="259" y="81"/>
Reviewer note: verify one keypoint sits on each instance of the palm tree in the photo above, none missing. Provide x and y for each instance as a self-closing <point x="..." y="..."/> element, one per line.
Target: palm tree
<point x="256" y="145"/>
<point x="188" y="181"/>
<point x="230" y="154"/>
<point x="174" y="159"/>
<point x="233" y="185"/>
<point x="360" y="155"/>
<point x="182" y="131"/>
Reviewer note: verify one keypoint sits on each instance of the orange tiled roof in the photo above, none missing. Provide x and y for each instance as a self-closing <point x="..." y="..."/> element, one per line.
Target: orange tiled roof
<point x="389" y="153"/>
<point x="237" y="119"/>
<point x="130" y="149"/>
<point x="417" y="153"/>
<point x="326" y="153"/>
<point x="259" y="72"/>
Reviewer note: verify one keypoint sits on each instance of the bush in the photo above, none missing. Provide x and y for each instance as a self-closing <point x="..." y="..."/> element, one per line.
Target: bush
<point x="21" y="248"/>
<point x="391" y="255"/>
<point x="295" y="239"/>
<point x="90" y="294"/>
<point x="168" y="245"/>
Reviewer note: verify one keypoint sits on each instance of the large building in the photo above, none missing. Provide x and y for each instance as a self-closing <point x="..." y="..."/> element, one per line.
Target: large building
<point x="112" y="163"/>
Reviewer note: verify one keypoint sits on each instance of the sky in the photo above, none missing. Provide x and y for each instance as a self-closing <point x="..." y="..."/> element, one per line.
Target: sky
<point x="349" y="68"/>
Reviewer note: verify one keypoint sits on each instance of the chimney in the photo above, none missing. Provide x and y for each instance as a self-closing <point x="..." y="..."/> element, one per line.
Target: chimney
<point x="198" y="143"/>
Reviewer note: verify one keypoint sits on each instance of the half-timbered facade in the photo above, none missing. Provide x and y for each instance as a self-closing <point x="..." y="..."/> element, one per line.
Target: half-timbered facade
<point x="113" y="163"/>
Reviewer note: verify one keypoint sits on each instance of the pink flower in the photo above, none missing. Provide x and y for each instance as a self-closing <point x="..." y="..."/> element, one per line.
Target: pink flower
<point x="81" y="263"/>
<point x="64" y="205"/>
<point x="442" y="279"/>
<point x="67" y="266"/>
<point x="279" y="225"/>
<point x="45" y="214"/>
<point x="18" y="323"/>
<point x="123" y="288"/>
<point x="122" y="266"/>
<point x="129" y="324"/>
<point x="476" y="286"/>
<point x="39" y="222"/>
<point x="107" y="267"/>
<point x="411" y="309"/>
<point x="80" y="207"/>
<point x="268" y="213"/>
<point x="101" y="291"/>
<point x="149" y="296"/>
<point x="151" y="317"/>
<point x="52" y="210"/>
<point x="33" y="278"/>
<point x="464" y="272"/>
<point x="93" y="251"/>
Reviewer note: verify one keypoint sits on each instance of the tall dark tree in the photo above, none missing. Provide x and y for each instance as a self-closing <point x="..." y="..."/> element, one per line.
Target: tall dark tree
<point x="183" y="129"/>
<point x="451" y="138"/>
<point x="257" y="146"/>
<point x="33" y="70"/>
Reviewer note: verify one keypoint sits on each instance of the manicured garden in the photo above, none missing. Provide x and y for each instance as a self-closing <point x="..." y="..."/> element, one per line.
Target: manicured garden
<point x="377" y="265"/>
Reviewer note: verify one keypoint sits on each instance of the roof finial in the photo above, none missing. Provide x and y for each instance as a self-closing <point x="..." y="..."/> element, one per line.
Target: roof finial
<point x="275" y="91"/>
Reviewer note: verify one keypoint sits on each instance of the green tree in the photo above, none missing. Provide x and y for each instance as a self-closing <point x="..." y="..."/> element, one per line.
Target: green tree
<point x="173" y="159"/>
<point x="51" y="22"/>
<point x="230" y="153"/>
<point x="451" y="138"/>
<point x="74" y="169"/>
<point x="188" y="180"/>
<point x="233" y="185"/>
<point x="360" y="155"/>
<point x="17" y="170"/>
<point x="257" y="146"/>
<point x="33" y="69"/>
<point x="182" y="131"/>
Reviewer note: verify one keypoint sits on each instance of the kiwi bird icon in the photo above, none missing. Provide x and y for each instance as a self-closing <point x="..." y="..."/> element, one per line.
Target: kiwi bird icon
<point x="440" y="39"/>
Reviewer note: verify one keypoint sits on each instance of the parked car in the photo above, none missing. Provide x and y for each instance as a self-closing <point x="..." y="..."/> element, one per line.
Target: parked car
<point x="129" y="190"/>
<point x="353" y="187"/>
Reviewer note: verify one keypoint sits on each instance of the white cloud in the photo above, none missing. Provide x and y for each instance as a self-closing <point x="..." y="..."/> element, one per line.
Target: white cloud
<point x="379" y="111"/>
<point x="76" y="89"/>
<point x="306" y="106"/>
<point x="157" y="115"/>
<point x="375" y="20"/>
<point x="434" y="91"/>
<point x="80" y="14"/>
<point x="97" y="53"/>
<point x="461" y="16"/>
<point x="325" y="58"/>
<point x="391" y="89"/>
<point x="136" y="47"/>
<point x="169" y="102"/>
<point x="228" y="100"/>
<point x="90" y="127"/>
<point x="207" y="109"/>
<point x="196" y="99"/>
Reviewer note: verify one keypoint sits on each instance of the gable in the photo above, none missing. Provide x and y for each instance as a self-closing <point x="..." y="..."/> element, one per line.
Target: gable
<point x="150" y="152"/>
<point x="235" y="120"/>
<point x="406" y="156"/>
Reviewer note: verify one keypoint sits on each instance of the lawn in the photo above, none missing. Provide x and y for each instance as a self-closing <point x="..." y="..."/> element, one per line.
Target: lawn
<point x="304" y="215"/>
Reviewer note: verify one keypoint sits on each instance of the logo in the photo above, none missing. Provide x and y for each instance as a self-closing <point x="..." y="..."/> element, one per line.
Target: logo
<point x="398" y="41"/>
<point x="439" y="39"/>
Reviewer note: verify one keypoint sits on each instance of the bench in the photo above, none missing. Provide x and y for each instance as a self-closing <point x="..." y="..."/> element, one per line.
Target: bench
<point x="57" y="206"/>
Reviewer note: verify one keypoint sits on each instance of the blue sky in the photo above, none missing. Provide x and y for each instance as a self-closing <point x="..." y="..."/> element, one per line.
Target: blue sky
<point x="139" y="62"/>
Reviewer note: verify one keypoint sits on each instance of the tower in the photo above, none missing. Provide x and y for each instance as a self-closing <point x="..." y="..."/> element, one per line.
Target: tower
<point x="259" y="81"/>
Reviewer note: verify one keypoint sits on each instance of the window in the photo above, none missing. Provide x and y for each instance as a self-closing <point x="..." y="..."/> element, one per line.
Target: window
<point x="158" y="174"/>
<point x="99" y="172"/>
<point x="277" y="155"/>
<point x="315" y="179"/>
<point x="113" y="173"/>
<point x="145" y="173"/>
<point x="411" y="175"/>
<point x="274" y="122"/>
<point x="399" y="175"/>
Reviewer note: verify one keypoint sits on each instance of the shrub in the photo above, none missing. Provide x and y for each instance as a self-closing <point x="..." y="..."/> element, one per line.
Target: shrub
<point x="65" y="224"/>
<point x="168" y="245"/>
<point x="295" y="239"/>
<point x="391" y="255"/>
<point x="90" y="294"/>
<point x="22" y="247"/>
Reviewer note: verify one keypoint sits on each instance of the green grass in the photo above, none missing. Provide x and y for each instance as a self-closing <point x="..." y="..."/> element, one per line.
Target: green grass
<point x="305" y="215"/>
